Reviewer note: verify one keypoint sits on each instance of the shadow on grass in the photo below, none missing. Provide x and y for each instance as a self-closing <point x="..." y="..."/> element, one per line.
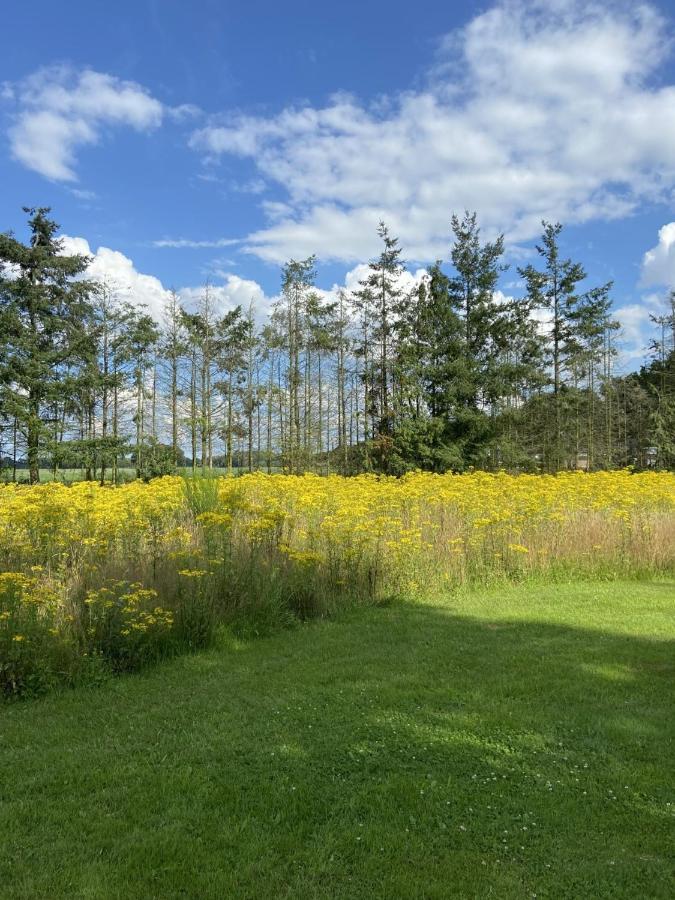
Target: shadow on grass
<point x="406" y="752"/>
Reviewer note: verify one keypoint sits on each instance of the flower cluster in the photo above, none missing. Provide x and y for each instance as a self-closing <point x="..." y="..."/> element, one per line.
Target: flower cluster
<point x="190" y="550"/>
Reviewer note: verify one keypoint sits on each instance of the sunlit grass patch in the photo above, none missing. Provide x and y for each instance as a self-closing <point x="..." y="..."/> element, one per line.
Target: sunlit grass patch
<point x="401" y="751"/>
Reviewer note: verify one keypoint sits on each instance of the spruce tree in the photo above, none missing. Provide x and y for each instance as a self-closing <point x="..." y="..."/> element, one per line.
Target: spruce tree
<point x="554" y="290"/>
<point x="44" y="307"/>
<point x="471" y="294"/>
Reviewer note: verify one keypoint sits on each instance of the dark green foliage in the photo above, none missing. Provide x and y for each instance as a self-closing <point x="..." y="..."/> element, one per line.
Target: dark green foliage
<point x="156" y="460"/>
<point x="446" y="374"/>
<point x="43" y="306"/>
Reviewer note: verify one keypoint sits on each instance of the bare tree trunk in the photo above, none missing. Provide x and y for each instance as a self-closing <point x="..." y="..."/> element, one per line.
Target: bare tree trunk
<point x="270" y="398"/>
<point x="204" y="419"/>
<point x="320" y="407"/>
<point x="33" y="439"/>
<point x="283" y="427"/>
<point x="249" y="392"/>
<point x="193" y="409"/>
<point x="328" y="431"/>
<point x="258" y="415"/>
<point x="307" y="412"/>
<point x="115" y="423"/>
<point x="139" y="416"/>
<point x="296" y="383"/>
<point x="154" y="399"/>
<point x="14" y="448"/>
<point x="55" y="437"/>
<point x="104" y="399"/>
<point x="229" y="425"/>
<point x="174" y="410"/>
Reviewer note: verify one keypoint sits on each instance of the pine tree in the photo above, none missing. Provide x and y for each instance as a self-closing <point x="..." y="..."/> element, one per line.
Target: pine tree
<point x="662" y="383"/>
<point x="429" y="336"/>
<point x="379" y="298"/>
<point x="44" y="303"/>
<point x="553" y="289"/>
<point x="141" y="339"/>
<point x="471" y="292"/>
<point x="173" y="346"/>
<point x="233" y="335"/>
<point x="585" y="350"/>
<point x="297" y="280"/>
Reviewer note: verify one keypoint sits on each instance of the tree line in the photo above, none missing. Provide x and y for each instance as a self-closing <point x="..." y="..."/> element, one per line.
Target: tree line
<point x="444" y="375"/>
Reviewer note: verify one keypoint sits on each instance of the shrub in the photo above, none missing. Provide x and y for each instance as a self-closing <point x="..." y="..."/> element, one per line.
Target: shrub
<point x="124" y="624"/>
<point x="35" y="653"/>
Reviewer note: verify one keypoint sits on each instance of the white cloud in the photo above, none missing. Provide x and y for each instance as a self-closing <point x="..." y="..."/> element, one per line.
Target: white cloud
<point x="83" y="194"/>
<point x="634" y="319"/>
<point x="658" y="270"/>
<point x="406" y="282"/>
<point x="658" y="264"/>
<point x="183" y="112"/>
<point x="60" y="110"/>
<point x="232" y="290"/>
<point x="637" y="329"/>
<point x="235" y="291"/>
<point x="119" y="272"/>
<point x="181" y="243"/>
<point x="74" y="246"/>
<point x="534" y="110"/>
<point x="135" y="287"/>
<point x="275" y="210"/>
<point x="252" y="186"/>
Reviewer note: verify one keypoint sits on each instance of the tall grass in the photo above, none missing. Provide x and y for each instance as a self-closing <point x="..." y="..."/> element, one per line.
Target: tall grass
<point x="94" y="579"/>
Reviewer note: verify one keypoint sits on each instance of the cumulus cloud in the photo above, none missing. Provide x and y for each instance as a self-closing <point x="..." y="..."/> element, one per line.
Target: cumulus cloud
<point x="354" y="277"/>
<point x="230" y="290"/>
<point x="658" y="264"/>
<point x="533" y="110"/>
<point x="637" y="329"/>
<point x="60" y="110"/>
<point x="234" y="291"/>
<point x="120" y="274"/>
<point x="658" y="270"/>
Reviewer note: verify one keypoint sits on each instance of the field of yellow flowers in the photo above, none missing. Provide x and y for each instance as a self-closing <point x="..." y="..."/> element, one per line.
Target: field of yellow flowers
<point x="99" y="578"/>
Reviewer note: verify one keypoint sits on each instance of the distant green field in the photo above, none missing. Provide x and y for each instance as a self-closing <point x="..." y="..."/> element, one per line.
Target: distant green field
<point x="509" y="744"/>
<point x="68" y="476"/>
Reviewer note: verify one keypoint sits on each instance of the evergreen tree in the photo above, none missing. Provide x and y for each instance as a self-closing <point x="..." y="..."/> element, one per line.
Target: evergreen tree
<point x="475" y="380"/>
<point x="140" y="342"/>
<point x="380" y="296"/>
<point x="173" y="346"/>
<point x="587" y="353"/>
<point x="447" y="375"/>
<point x="233" y="337"/>
<point x="44" y="305"/>
<point x="297" y="280"/>
<point x="660" y="377"/>
<point x="554" y="290"/>
<point x="429" y="344"/>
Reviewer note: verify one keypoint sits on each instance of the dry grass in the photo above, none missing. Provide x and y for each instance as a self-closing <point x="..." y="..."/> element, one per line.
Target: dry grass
<point x="94" y="577"/>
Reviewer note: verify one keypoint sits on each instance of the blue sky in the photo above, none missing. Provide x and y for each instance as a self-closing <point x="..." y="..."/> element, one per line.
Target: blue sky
<point x="216" y="139"/>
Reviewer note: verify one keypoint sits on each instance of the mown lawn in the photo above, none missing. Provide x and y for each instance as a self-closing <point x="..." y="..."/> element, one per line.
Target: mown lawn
<point x="505" y="744"/>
